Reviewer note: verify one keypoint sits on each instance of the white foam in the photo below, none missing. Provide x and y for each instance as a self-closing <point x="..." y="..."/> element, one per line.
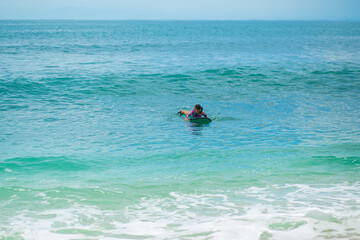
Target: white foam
<point x="274" y="212"/>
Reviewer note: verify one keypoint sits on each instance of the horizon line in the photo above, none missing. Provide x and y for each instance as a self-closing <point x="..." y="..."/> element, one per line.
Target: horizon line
<point x="270" y="20"/>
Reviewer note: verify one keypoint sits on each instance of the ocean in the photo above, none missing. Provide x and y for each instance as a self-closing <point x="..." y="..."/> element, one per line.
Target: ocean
<point x="92" y="147"/>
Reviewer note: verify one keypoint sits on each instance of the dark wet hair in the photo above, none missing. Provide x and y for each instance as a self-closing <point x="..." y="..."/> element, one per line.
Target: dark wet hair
<point x="199" y="107"/>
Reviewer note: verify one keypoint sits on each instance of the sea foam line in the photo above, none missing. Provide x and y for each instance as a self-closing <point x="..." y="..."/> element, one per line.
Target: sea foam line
<point x="275" y="212"/>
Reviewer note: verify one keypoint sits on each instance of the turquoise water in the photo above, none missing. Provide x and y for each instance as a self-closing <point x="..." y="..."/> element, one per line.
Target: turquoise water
<point x="91" y="146"/>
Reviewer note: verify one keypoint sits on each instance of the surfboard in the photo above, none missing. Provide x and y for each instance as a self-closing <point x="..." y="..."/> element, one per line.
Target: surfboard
<point x="198" y="120"/>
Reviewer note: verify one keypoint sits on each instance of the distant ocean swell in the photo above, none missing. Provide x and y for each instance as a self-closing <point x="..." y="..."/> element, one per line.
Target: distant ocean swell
<point x="336" y="82"/>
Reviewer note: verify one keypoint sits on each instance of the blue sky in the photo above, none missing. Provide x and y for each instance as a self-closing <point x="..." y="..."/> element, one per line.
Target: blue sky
<point x="182" y="9"/>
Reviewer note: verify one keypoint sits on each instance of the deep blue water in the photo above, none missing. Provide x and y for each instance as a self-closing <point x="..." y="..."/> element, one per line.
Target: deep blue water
<point x="91" y="145"/>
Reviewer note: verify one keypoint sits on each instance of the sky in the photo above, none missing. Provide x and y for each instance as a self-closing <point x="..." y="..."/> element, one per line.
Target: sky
<point x="181" y="9"/>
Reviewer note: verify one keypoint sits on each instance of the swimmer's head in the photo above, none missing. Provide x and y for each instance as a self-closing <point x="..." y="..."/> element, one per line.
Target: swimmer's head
<point x="198" y="108"/>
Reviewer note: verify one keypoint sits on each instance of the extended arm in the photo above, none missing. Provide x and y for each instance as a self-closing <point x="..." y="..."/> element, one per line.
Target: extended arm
<point x="185" y="113"/>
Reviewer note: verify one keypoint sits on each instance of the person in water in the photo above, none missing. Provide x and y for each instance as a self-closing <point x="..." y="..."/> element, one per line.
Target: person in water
<point x="197" y="112"/>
